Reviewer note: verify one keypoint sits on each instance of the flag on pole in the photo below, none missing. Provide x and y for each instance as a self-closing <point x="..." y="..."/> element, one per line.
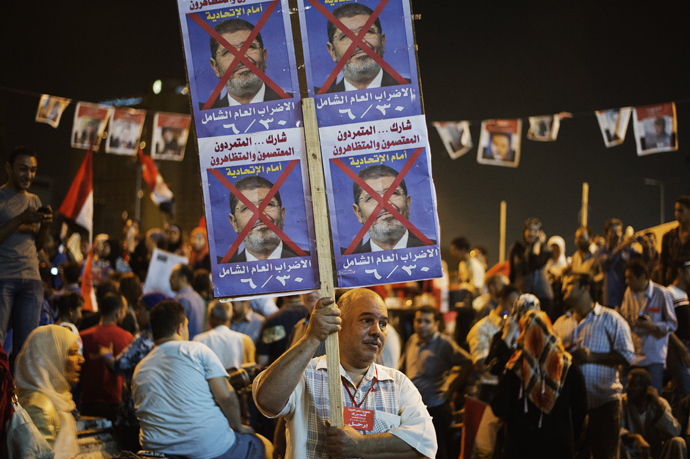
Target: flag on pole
<point x="78" y="204"/>
<point x="160" y="193"/>
<point x="78" y="207"/>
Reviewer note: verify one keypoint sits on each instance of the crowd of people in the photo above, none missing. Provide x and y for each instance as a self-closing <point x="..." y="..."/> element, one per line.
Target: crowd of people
<point x="580" y="356"/>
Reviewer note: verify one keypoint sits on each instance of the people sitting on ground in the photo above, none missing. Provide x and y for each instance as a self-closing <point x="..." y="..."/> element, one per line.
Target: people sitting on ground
<point x="232" y="348"/>
<point x="648" y="428"/>
<point x="124" y="363"/>
<point x="46" y="368"/>
<point x="186" y="406"/>
<point x="101" y="389"/>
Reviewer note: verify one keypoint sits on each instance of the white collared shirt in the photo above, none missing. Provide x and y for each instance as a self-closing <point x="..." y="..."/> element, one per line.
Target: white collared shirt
<point x="402" y="244"/>
<point x="398" y="407"/>
<point x="259" y="97"/>
<point x="376" y="83"/>
<point x="275" y="255"/>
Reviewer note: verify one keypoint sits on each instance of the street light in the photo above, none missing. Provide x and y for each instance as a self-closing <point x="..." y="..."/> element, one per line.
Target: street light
<point x="660" y="184"/>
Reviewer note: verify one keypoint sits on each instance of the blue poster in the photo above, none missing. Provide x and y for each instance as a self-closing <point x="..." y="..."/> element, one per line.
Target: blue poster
<point x="245" y="100"/>
<point x="362" y="73"/>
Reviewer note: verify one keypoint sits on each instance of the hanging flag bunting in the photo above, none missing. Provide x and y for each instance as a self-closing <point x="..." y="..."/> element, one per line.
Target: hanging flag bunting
<point x="50" y="109"/>
<point x="499" y="142"/>
<point x="78" y="204"/>
<point x="613" y="124"/>
<point x="160" y="193"/>
<point x="455" y="136"/>
<point x="545" y="128"/>
<point x="89" y="125"/>
<point x="655" y="128"/>
<point x="170" y="132"/>
<point x="125" y="131"/>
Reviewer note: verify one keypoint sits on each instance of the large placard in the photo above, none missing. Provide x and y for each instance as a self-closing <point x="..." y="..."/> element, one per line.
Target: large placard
<point x="245" y="97"/>
<point x="361" y="70"/>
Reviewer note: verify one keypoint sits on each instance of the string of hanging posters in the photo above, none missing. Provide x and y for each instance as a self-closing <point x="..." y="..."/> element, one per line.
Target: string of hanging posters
<point x="655" y="128"/>
<point x="169" y="137"/>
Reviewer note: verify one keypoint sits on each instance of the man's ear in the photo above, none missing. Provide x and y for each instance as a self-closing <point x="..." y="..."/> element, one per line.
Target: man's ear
<point x="331" y="51"/>
<point x="355" y="208"/>
<point x="214" y="65"/>
<point x="233" y="222"/>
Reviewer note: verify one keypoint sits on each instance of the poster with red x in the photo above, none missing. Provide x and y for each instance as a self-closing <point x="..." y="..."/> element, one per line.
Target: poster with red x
<point x="245" y="99"/>
<point x="362" y="72"/>
<point x="240" y="65"/>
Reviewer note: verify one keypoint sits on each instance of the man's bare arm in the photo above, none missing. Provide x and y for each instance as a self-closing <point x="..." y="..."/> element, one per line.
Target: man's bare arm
<point x="229" y="404"/>
<point x="347" y="442"/>
<point x="280" y="379"/>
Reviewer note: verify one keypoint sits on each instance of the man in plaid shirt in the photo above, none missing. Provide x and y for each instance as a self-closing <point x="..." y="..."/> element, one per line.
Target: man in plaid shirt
<point x="601" y="343"/>
<point x="383" y="411"/>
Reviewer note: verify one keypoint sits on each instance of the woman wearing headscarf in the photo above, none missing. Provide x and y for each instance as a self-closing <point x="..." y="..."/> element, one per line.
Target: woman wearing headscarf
<point x="46" y="368"/>
<point x="527" y="259"/>
<point x="541" y="395"/>
<point x="554" y="273"/>
<point x="199" y="256"/>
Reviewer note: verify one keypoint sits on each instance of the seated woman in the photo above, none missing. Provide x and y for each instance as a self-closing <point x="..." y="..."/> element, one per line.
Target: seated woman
<point x="541" y="396"/>
<point x="46" y="368"/>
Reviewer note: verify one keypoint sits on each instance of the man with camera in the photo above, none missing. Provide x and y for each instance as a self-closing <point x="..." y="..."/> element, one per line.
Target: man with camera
<point x="185" y="405"/>
<point x="24" y="225"/>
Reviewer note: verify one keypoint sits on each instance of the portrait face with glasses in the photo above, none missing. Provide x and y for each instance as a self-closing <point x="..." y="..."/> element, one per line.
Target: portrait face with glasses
<point x="260" y="239"/>
<point x="386" y="227"/>
<point x="360" y="66"/>
<point x="243" y="83"/>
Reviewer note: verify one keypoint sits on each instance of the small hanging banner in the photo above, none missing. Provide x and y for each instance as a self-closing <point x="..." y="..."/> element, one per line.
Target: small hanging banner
<point x="50" y="109"/>
<point x="545" y="128"/>
<point x="89" y="124"/>
<point x="170" y="132"/>
<point x="499" y="143"/>
<point x="655" y="128"/>
<point x="613" y="124"/>
<point x="125" y="131"/>
<point x="455" y="136"/>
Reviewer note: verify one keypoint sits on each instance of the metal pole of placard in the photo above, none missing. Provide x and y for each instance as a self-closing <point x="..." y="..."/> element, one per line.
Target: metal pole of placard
<point x="323" y="250"/>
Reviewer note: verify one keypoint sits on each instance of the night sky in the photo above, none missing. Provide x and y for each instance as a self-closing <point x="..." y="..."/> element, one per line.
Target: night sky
<point x="478" y="60"/>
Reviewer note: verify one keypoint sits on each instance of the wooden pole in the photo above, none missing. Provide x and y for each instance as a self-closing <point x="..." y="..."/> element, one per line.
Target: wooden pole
<point x="325" y="255"/>
<point x="502" y="241"/>
<point x="585" y="203"/>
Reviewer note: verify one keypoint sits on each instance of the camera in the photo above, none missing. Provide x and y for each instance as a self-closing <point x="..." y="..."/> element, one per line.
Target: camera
<point x="244" y="377"/>
<point x="43" y="210"/>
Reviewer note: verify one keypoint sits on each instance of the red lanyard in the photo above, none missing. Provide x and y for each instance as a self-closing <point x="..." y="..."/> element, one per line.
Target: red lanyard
<point x="357" y="405"/>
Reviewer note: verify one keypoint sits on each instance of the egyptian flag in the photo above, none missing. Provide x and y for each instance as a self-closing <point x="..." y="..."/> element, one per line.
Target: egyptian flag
<point x="78" y="204"/>
<point x="78" y="207"/>
<point x="160" y="193"/>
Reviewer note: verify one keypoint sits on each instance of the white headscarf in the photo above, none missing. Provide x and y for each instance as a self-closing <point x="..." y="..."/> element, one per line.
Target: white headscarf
<point x="40" y="367"/>
<point x="556" y="267"/>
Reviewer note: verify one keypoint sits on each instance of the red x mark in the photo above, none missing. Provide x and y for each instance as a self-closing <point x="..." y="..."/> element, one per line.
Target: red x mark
<point x="258" y="213"/>
<point x="239" y="55"/>
<point x="383" y="201"/>
<point x="357" y="42"/>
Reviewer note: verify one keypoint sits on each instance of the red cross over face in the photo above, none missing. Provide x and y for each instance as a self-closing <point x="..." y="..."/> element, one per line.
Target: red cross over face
<point x="385" y="226"/>
<point x="359" y="64"/>
<point x="242" y="80"/>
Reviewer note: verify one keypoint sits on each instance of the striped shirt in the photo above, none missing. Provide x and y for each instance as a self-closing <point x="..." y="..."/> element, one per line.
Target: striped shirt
<point x="397" y="404"/>
<point x="602" y="331"/>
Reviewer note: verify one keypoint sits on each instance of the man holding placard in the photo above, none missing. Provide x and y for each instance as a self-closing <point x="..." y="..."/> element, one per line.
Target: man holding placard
<point x="384" y="412"/>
